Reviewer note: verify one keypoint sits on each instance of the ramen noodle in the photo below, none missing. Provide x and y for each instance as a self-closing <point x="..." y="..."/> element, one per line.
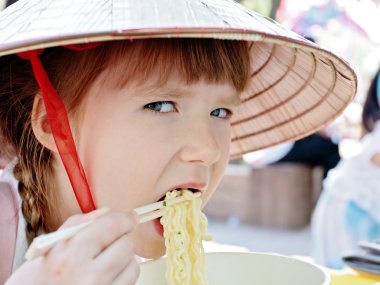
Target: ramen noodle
<point x="184" y="230"/>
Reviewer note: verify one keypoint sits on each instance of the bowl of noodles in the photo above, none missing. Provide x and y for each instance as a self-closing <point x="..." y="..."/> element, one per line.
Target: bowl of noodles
<point x="186" y="263"/>
<point x="243" y="268"/>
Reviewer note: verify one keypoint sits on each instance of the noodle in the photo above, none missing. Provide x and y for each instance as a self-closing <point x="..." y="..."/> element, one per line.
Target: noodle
<point x="184" y="229"/>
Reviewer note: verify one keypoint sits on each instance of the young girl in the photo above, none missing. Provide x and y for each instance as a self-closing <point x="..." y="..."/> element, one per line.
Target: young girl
<point x="113" y="125"/>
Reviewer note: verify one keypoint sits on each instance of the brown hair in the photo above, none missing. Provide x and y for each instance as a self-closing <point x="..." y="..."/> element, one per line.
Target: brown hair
<point x="72" y="72"/>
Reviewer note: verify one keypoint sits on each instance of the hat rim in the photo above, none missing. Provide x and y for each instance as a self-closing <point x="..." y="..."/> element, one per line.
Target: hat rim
<point x="169" y="32"/>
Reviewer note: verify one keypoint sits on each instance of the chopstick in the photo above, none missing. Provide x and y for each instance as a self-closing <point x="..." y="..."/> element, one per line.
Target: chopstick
<point x="149" y="212"/>
<point x="44" y="243"/>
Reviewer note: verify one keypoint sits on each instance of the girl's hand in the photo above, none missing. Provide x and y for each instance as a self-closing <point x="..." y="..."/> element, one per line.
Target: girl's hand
<point x="101" y="253"/>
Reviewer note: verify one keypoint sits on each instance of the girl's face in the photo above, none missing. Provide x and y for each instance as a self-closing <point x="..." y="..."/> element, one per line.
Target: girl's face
<point x="143" y="140"/>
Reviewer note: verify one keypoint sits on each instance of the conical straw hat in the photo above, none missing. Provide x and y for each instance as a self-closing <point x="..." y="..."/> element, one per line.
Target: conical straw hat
<point x="295" y="88"/>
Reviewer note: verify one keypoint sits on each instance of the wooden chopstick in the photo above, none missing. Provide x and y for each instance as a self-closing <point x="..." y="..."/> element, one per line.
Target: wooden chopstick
<point x="154" y="210"/>
<point x="44" y="243"/>
<point x="162" y="204"/>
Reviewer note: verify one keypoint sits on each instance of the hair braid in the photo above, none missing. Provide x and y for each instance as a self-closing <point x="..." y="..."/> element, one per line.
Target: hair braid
<point x="33" y="168"/>
<point x="35" y="204"/>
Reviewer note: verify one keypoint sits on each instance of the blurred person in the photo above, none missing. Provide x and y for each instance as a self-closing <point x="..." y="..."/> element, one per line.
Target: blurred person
<point x="314" y="150"/>
<point x="348" y="209"/>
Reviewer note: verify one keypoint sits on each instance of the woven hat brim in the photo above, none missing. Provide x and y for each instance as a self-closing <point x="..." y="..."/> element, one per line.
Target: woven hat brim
<point x="295" y="89"/>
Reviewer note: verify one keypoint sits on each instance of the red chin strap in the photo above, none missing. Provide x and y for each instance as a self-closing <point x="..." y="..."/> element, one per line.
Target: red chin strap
<point x="60" y="128"/>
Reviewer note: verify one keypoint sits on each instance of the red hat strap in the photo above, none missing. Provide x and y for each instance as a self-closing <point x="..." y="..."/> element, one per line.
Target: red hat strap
<point x="80" y="47"/>
<point x="60" y="127"/>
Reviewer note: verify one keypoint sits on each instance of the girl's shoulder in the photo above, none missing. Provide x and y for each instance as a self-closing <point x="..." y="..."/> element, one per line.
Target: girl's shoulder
<point x="9" y="217"/>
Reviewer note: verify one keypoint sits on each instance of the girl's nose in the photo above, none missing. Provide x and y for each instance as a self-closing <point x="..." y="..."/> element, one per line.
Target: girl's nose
<point x="201" y="145"/>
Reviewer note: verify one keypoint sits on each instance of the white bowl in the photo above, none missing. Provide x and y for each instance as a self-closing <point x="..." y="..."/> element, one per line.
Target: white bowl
<point x="245" y="268"/>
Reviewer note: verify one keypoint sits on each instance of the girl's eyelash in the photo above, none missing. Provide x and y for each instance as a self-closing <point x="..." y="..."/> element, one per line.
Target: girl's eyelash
<point x="163" y="107"/>
<point x="157" y="107"/>
<point x="228" y="115"/>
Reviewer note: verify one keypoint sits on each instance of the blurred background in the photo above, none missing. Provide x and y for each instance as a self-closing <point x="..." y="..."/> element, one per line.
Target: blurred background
<point x="267" y="199"/>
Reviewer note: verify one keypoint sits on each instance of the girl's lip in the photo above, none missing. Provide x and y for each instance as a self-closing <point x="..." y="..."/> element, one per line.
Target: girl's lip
<point x="159" y="228"/>
<point x="187" y="186"/>
<point x="194" y="185"/>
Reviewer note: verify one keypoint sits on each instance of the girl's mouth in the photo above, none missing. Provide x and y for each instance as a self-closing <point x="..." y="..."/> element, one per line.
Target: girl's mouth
<point x="157" y="223"/>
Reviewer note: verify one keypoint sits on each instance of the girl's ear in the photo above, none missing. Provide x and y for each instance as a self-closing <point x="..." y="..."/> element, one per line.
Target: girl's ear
<point x="40" y="124"/>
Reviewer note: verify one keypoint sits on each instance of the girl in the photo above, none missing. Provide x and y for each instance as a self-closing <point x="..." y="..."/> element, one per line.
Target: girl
<point x="112" y="125"/>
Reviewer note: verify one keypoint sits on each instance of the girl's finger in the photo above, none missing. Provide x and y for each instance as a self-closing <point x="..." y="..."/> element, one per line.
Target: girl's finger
<point x="129" y="275"/>
<point x="115" y="258"/>
<point x="100" y="234"/>
<point x="81" y="218"/>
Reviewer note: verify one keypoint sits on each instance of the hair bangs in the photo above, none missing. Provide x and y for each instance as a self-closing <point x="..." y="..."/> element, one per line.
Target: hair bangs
<point x="192" y="59"/>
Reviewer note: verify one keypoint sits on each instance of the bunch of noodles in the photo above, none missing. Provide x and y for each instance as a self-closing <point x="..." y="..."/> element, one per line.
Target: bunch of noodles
<point x="184" y="230"/>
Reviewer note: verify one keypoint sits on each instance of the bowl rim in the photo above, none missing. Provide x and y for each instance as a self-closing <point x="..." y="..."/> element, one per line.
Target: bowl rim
<point x="324" y="271"/>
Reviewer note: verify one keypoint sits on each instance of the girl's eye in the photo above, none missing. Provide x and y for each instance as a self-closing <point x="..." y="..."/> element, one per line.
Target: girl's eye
<point x="161" y="107"/>
<point x="221" y="113"/>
